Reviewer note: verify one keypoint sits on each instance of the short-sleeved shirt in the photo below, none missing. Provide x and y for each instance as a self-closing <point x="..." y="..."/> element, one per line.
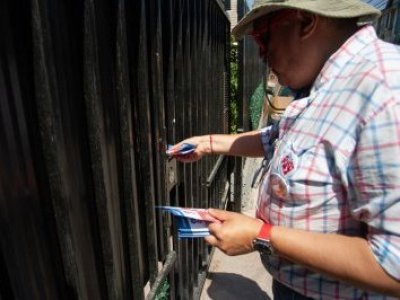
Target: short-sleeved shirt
<point x="336" y="166"/>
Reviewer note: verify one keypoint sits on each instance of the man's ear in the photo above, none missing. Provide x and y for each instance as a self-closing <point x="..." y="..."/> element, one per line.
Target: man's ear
<point x="308" y="23"/>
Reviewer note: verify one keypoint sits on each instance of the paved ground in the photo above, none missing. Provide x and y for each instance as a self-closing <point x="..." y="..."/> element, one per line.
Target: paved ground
<point x="239" y="277"/>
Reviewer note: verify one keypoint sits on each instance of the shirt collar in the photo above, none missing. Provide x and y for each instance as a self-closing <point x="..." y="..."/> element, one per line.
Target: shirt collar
<point x="334" y="65"/>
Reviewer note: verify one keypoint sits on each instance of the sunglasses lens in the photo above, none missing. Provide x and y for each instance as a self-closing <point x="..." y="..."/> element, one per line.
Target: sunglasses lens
<point x="262" y="41"/>
<point x="262" y="27"/>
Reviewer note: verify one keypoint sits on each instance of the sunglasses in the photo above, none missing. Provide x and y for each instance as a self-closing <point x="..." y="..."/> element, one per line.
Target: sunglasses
<point x="264" y="26"/>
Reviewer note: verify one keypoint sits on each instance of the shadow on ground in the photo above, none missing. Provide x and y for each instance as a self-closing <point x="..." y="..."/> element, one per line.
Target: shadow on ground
<point x="233" y="286"/>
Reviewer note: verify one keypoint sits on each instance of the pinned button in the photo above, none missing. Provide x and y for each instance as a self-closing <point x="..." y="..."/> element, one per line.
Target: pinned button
<point x="279" y="186"/>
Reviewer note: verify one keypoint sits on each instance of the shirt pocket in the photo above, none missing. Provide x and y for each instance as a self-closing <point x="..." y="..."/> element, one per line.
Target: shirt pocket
<point x="317" y="180"/>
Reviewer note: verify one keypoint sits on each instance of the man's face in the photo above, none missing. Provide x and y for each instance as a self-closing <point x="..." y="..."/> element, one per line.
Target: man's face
<point x="276" y="37"/>
<point x="264" y="26"/>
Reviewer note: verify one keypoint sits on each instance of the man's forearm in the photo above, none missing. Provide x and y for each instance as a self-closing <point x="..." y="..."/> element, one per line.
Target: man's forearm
<point x="243" y="144"/>
<point x="346" y="258"/>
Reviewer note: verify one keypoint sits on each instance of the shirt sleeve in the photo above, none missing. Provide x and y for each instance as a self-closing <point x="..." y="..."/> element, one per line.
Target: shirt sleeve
<point x="268" y="136"/>
<point x="375" y="176"/>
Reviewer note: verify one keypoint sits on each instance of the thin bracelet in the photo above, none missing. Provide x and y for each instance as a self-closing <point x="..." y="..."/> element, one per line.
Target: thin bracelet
<point x="211" y="148"/>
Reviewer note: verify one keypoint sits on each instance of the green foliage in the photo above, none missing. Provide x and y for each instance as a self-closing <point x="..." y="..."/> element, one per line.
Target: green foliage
<point x="163" y="291"/>
<point x="234" y="114"/>
<point x="256" y="105"/>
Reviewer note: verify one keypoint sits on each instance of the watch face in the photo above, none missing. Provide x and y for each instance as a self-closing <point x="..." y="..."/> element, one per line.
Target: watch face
<point x="263" y="246"/>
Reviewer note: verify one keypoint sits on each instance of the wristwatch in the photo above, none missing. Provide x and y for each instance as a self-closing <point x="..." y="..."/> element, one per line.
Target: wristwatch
<point x="262" y="242"/>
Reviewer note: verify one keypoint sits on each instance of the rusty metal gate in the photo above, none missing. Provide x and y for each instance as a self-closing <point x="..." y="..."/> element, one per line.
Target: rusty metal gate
<point x="91" y="93"/>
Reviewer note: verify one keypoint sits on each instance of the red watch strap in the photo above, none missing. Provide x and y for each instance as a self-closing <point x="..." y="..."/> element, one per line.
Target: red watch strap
<point x="265" y="231"/>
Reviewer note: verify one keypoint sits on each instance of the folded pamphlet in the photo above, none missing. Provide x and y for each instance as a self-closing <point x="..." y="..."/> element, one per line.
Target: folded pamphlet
<point x="182" y="150"/>
<point x="191" y="222"/>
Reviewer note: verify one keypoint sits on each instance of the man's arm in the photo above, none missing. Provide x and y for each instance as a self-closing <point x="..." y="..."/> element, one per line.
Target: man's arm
<point x="243" y="144"/>
<point x="349" y="259"/>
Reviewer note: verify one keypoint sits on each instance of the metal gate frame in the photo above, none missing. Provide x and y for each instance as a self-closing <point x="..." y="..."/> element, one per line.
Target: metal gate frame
<point x="91" y="93"/>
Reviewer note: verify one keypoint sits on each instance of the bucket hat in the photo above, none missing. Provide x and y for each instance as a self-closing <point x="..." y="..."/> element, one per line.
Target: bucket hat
<point x="327" y="8"/>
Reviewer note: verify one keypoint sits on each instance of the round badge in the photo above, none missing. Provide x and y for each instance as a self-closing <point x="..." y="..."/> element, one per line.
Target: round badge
<point x="278" y="185"/>
<point x="288" y="163"/>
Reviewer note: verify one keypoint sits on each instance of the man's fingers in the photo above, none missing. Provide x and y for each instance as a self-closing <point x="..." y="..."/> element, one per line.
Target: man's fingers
<point x="219" y="214"/>
<point x="211" y="240"/>
<point x="187" y="158"/>
<point x="214" y="228"/>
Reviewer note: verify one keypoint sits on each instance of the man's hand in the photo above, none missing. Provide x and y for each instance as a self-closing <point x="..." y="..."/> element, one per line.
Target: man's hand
<point x="235" y="234"/>
<point x="202" y="147"/>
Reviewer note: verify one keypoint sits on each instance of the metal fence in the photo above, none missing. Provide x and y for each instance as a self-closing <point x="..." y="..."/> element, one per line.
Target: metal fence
<point x="251" y="69"/>
<point x="388" y="25"/>
<point x="251" y="72"/>
<point x="91" y="93"/>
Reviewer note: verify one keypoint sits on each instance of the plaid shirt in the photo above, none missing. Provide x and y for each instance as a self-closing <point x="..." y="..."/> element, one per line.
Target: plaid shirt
<point x="336" y="166"/>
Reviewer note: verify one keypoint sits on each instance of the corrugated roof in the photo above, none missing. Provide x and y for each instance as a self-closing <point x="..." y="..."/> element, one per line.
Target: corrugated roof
<point x="379" y="4"/>
<point x="249" y="2"/>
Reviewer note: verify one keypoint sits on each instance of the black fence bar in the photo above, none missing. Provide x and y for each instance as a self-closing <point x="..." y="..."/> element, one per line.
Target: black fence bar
<point x="251" y="72"/>
<point x="91" y="93"/>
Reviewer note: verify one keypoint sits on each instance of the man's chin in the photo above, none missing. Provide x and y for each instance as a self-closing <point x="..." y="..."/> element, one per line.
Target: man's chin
<point x="282" y="81"/>
<point x="285" y="82"/>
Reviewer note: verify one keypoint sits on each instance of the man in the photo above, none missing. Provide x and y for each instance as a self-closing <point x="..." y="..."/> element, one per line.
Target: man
<point x="328" y="220"/>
